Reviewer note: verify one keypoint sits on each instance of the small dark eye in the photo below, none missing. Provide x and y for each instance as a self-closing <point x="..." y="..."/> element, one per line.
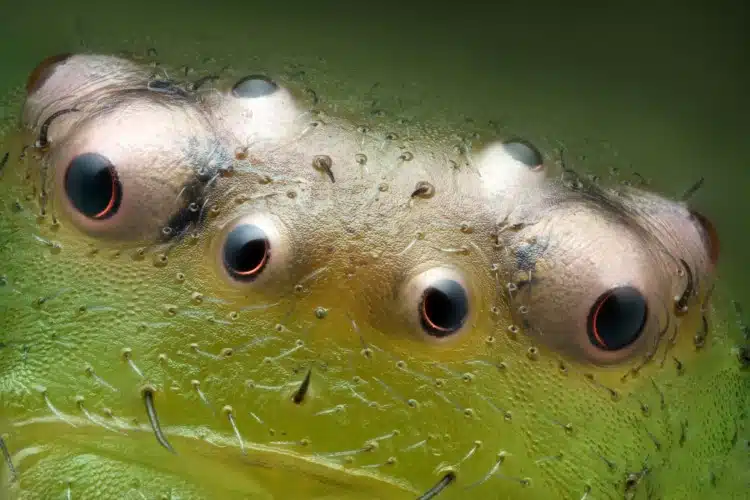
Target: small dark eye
<point x="254" y="86"/>
<point x="617" y="318"/>
<point x="92" y="186"/>
<point x="443" y="308"/>
<point x="525" y="152"/>
<point x="246" y="252"/>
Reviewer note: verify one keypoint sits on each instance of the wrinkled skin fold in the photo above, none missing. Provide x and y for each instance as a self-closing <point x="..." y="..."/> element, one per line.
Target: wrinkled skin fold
<point x="216" y="286"/>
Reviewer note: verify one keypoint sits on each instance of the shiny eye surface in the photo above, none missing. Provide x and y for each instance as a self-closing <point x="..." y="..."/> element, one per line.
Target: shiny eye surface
<point x="617" y="318"/>
<point x="254" y="86"/>
<point x="524" y="152"/>
<point x="246" y="252"/>
<point x="443" y="308"/>
<point x="92" y="186"/>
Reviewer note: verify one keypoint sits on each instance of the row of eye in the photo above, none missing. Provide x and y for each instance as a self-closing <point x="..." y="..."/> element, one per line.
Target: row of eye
<point x="615" y="320"/>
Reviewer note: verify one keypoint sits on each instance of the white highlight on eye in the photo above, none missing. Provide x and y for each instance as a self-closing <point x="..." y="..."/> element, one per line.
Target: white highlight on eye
<point x="500" y="172"/>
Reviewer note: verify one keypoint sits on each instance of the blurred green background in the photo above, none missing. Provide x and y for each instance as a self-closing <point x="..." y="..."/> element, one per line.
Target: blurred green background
<point x="661" y="88"/>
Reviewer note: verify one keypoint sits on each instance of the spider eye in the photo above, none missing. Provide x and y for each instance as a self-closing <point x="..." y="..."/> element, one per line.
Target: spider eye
<point x="443" y="308"/>
<point x="92" y="186"/>
<point x="617" y="318"/>
<point x="247" y="251"/>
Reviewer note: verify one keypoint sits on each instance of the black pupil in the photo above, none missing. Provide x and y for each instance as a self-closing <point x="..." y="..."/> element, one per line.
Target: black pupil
<point x="92" y="186"/>
<point x="254" y="86"/>
<point x="444" y="307"/>
<point x="617" y="318"/>
<point x="525" y="152"/>
<point x="246" y="251"/>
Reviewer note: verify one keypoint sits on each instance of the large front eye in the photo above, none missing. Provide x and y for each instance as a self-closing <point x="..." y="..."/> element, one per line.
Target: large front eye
<point x="437" y="302"/>
<point x="589" y="286"/>
<point x="92" y="186"/>
<point x="132" y="172"/>
<point x="617" y="318"/>
<point x="247" y="250"/>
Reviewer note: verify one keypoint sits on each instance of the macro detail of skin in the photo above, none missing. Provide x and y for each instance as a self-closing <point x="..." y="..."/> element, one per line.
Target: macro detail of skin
<point x="221" y="286"/>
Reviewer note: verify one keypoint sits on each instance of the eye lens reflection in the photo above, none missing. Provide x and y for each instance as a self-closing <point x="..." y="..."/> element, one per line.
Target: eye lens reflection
<point x="246" y="252"/>
<point x="617" y="318"/>
<point x="443" y="308"/>
<point x="92" y="186"/>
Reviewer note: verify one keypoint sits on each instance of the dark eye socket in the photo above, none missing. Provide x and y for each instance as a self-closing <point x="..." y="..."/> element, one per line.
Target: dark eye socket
<point x="617" y="318"/>
<point x="254" y="86"/>
<point x="525" y="152"/>
<point x="247" y="251"/>
<point x="92" y="186"/>
<point x="443" y="307"/>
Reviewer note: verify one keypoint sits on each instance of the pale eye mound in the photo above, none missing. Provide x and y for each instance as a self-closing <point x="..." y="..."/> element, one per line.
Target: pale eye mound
<point x="254" y="86"/>
<point x="437" y="303"/>
<point x="604" y="294"/>
<point x="141" y="173"/>
<point x="253" y="250"/>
